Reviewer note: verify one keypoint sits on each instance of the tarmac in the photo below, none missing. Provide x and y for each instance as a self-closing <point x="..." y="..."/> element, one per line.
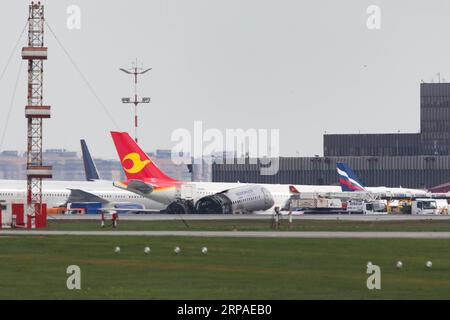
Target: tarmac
<point x="343" y="217"/>
<point x="245" y="234"/>
<point x="237" y="234"/>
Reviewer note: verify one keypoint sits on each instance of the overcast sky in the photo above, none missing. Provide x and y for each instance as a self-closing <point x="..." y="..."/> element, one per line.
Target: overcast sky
<point x="305" y="67"/>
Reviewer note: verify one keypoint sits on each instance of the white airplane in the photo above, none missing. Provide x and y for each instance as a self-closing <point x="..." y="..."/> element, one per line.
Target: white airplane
<point x="350" y="182"/>
<point x="60" y="193"/>
<point x="147" y="180"/>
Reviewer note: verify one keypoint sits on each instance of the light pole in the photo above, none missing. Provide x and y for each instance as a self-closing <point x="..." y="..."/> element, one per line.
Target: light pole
<point x="136" y="71"/>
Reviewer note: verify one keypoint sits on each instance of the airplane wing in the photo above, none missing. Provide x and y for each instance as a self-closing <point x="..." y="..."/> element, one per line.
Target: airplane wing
<point x="136" y="186"/>
<point x="78" y="195"/>
<point x="128" y="210"/>
<point x="140" y="186"/>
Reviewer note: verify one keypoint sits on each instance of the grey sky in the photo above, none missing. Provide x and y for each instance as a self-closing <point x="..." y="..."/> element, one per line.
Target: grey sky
<point x="294" y="65"/>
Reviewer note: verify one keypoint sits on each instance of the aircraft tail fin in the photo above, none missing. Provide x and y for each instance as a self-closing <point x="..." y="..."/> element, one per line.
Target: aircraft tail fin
<point x="135" y="162"/>
<point x="89" y="165"/>
<point x="348" y="179"/>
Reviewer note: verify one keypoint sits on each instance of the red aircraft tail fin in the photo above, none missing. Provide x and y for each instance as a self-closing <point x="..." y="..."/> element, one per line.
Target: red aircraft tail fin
<point x="135" y="162"/>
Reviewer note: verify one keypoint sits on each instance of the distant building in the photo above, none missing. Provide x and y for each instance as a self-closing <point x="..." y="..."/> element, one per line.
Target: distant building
<point x="201" y="169"/>
<point x="12" y="165"/>
<point x="435" y="118"/>
<point x="7" y="153"/>
<point x="165" y="154"/>
<point x="67" y="165"/>
<point x="389" y="171"/>
<point x="390" y="144"/>
<point x="433" y="138"/>
<point x="414" y="160"/>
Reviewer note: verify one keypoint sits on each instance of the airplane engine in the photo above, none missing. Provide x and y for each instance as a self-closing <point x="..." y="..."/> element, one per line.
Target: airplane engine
<point x="241" y="199"/>
<point x="217" y="203"/>
<point x="180" y="206"/>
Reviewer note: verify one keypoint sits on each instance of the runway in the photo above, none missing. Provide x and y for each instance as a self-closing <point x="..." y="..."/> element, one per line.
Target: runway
<point x="342" y="217"/>
<point x="237" y="234"/>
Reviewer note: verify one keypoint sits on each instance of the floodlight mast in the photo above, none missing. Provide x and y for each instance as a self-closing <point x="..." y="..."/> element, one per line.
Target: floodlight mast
<point x="136" y="71"/>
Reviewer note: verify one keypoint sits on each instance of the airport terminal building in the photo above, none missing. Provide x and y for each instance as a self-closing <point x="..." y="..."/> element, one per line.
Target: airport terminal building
<point x="433" y="138"/>
<point x="414" y="160"/>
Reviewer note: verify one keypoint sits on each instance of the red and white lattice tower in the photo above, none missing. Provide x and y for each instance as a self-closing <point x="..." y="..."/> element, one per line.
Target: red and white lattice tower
<point x="35" y="53"/>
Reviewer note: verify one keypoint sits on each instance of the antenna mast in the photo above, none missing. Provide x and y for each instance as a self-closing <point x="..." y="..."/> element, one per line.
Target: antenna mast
<point x="35" y="53"/>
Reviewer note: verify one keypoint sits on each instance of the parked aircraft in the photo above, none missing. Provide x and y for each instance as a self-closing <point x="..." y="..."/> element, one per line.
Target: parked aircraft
<point x="60" y="193"/>
<point x="351" y="183"/>
<point x="146" y="179"/>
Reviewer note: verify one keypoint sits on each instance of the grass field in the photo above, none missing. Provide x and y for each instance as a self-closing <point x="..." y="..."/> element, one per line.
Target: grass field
<point x="234" y="268"/>
<point x="259" y="225"/>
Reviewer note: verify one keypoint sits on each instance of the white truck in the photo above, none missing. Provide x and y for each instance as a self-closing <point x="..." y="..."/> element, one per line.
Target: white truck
<point x="429" y="206"/>
<point x="367" y="207"/>
<point x="318" y="203"/>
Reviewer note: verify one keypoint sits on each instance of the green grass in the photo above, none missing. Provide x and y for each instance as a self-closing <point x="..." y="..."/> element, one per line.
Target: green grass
<point x="234" y="268"/>
<point x="258" y="225"/>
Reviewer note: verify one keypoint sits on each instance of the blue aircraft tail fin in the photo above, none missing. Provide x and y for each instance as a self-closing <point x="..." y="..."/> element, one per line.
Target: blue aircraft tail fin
<point x="348" y="179"/>
<point x="89" y="166"/>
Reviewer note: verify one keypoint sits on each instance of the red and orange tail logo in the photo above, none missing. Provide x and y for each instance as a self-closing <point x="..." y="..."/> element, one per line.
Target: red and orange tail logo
<point x="135" y="162"/>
